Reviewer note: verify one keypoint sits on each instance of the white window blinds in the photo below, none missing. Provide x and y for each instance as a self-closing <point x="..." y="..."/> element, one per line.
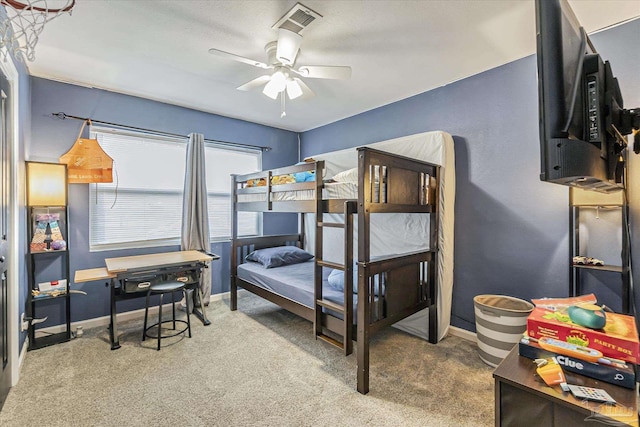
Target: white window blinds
<point x="143" y="206"/>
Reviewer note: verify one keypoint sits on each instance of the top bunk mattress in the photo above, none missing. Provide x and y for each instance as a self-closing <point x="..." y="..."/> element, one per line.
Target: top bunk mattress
<point x="332" y="190"/>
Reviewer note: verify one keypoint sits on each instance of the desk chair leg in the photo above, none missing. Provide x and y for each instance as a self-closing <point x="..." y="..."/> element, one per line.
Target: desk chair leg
<point x="184" y="293"/>
<point x="160" y="321"/>
<point x="146" y="313"/>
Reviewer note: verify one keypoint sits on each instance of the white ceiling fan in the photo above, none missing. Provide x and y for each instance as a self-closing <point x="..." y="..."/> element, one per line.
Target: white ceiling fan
<point x="285" y="75"/>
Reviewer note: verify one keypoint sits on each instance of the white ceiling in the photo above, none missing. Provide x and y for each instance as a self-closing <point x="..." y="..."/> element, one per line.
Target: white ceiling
<point x="158" y="49"/>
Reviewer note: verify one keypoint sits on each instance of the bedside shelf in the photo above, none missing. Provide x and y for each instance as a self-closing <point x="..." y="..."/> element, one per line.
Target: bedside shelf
<point x="48" y="297"/>
<point x="51" y="252"/>
<point x="47" y="227"/>
<point x="47" y="266"/>
<point x="47" y="340"/>
<point x="611" y="268"/>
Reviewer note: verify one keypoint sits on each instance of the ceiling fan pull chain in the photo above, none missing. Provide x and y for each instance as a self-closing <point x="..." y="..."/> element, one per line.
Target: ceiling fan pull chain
<point x="282" y="106"/>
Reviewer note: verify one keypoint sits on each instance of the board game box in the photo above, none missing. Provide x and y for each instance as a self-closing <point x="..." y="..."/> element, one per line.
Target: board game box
<point x="618" y="339"/>
<point x="623" y="376"/>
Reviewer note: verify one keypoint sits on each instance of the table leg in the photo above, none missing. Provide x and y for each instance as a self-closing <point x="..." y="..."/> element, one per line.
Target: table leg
<point x="201" y="314"/>
<point x="113" y="326"/>
<point x="497" y="403"/>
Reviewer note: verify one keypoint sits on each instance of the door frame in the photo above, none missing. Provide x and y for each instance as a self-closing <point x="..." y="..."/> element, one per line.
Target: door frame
<point x="16" y="171"/>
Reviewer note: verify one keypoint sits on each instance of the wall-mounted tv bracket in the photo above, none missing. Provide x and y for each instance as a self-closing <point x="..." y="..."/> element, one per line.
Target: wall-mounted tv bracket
<point x="630" y="123"/>
<point x="624" y="122"/>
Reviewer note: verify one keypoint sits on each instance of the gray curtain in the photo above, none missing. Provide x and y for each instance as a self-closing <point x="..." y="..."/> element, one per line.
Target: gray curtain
<point x="195" y="216"/>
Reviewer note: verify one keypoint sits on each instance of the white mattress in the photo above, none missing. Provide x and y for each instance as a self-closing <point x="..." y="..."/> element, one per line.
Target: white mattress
<point x="401" y="233"/>
<point x="332" y="190"/>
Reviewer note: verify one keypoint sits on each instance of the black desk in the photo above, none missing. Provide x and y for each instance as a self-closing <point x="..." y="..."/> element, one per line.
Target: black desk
<point x="183" y="266"/>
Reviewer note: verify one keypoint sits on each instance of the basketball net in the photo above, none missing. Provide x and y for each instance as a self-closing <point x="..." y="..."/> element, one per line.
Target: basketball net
<point x="23" y="23"/>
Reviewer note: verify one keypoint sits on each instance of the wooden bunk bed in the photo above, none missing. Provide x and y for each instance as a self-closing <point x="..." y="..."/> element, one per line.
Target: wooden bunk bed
<point x="389" y="288"/>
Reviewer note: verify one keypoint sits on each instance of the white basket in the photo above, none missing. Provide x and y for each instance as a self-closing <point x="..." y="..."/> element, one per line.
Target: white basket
<point x="500" y="323"/>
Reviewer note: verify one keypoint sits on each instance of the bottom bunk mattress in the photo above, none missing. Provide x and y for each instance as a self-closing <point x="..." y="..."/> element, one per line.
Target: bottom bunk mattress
<point x="295" y="282"/>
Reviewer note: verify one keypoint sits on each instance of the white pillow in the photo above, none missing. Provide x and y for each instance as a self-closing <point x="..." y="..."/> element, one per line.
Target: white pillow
<point x="350" y="175"/>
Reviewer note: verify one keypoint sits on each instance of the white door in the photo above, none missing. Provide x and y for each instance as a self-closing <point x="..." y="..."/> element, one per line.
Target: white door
<point x="5" y="175"/>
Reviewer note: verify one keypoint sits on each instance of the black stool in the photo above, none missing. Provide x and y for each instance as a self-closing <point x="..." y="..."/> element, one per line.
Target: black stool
<point x="161" y="289"/>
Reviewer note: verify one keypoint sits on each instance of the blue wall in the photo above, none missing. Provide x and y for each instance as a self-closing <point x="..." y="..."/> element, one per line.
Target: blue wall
<point x="511" y="229"/>
<point x="52" y="137"/>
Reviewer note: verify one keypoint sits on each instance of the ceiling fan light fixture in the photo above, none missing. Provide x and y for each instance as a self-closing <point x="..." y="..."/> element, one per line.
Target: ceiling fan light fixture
<point x="270" y="90"/>
<point x="288" y="46"/>
<point x="276" y="84"/>
<point x="293" y="89"/>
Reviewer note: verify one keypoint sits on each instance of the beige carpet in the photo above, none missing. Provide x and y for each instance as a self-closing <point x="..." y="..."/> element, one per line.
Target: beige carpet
<point x="258" y="366"/>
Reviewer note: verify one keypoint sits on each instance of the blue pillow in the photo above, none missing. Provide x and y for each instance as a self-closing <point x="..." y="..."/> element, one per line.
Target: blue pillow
<point x="336" y="281"/>
<point x="279" y="255"/>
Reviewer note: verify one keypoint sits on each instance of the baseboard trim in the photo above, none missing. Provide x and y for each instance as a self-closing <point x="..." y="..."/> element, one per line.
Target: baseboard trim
<point x="219" y="297"/>
<point x="103" y="321"/>
<point x="138" y="314"/>
<point x="463" y="333"/>
<point x="452" y="330"/>
<point x="23" y="354"/>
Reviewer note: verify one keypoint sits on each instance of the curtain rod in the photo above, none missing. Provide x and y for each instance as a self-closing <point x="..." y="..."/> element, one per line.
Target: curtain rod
<point x="63" y="116"/>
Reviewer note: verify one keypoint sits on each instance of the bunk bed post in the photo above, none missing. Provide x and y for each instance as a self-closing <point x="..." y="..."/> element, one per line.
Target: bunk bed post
<point x="233" y="288"/>
<point x="364" y="198"/>
<point x="349" y="209"/>
<point x="433" y="263"/>
<point x="301" y="231"/>
<point x="318" y="252"/>
<point x="269" y="190"/>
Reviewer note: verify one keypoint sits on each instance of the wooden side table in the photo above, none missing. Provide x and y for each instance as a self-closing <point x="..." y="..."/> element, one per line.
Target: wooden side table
<point x="523" y="399"/>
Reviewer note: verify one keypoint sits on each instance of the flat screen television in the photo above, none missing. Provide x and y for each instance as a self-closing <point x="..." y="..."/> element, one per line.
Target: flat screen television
<point x="582" y="122"/>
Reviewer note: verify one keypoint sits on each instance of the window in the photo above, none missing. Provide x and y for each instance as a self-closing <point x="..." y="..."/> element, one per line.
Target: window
<point x="143" y="206"/>
<point x="221" y="163"/>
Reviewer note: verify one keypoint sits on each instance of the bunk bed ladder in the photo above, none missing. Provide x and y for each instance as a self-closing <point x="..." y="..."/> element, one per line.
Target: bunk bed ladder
<point x="325" y="308"/>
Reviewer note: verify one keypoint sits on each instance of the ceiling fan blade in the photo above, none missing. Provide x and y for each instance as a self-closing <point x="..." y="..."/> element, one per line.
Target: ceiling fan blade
<point x="255" y="83"/>
<point x="306" y="91"/>
<point x="325" y="72"/>
<point x="288" y="46"/>
<point x="238" y="58"/>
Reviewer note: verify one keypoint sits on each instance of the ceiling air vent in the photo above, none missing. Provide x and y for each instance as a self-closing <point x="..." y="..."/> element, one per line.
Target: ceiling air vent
<point x="297" y="19"/>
